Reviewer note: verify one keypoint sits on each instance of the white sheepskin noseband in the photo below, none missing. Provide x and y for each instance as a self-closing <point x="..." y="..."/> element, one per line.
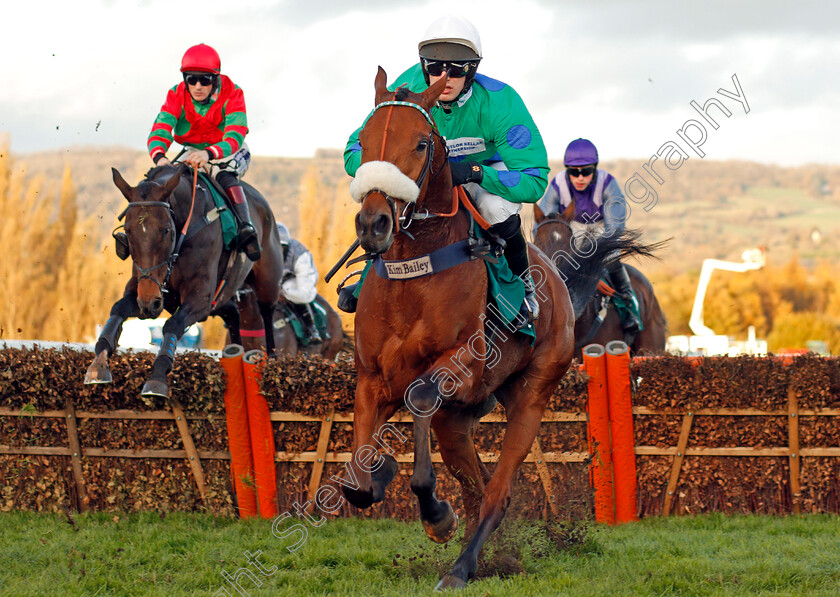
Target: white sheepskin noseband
<point x="384" y="177"/>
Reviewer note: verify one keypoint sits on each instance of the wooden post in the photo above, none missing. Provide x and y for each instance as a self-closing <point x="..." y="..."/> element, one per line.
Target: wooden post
<point x="545" y="477"/>
<point x="678" y="459"/>
<point x="795" y="455"/>
<point x="189" y="446"/>
<point x="75" y="453"/>
<point x="320" y="457"/>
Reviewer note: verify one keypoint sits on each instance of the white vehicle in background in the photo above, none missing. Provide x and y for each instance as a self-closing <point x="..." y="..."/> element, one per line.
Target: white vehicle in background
<point x="704" y="341"/>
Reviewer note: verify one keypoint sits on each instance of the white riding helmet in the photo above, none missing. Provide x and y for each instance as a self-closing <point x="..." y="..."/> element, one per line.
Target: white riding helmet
<point x="450" y="33"/>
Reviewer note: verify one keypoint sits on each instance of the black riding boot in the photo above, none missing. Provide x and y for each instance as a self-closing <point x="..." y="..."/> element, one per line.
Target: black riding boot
<point x="516" y="253"/>
<point x="621" y="281"/>
<point x="308" y="318"/>
<point x="246" y="236"/>
<point x="346" y="301"/>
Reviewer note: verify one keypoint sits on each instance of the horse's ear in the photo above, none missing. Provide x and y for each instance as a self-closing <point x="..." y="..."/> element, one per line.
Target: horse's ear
<point x="569" y="213"/>
<point x="539" y="216"/>
<point x="381" y="85"/>
<point x="122" y="185"/>
<point x="431" y="95"/>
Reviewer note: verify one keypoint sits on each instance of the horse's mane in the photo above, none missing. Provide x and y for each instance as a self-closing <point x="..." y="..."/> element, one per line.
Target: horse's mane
<point x="156" y="172"/>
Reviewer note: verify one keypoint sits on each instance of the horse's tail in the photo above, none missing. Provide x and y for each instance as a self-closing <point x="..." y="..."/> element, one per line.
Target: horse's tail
<point x="583" y="267"/>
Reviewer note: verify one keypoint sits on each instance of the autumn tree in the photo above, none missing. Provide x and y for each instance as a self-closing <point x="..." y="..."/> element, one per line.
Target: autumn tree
<point x="56" y="282"/>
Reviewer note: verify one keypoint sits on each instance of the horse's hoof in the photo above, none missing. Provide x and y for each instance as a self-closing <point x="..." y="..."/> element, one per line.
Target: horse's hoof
<point x="98" y="372"/>
<point x="360" y="499"/>
<point x="155" y="388"/>
<point x="445" y="529"/>
<point x="450" y="581"/>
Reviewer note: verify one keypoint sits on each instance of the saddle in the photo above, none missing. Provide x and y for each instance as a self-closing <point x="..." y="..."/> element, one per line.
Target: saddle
<point x="221" y="201"/>
<point x="606" y="294"/>
<point x="291" y="318"/>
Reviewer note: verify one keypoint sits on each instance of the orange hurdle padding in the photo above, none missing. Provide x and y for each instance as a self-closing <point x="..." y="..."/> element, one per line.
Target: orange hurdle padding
<point x="621" y="431"/>
<point x="262" y="434"/>
<point x="598" y="431"/>
<point x="239" y="434"/>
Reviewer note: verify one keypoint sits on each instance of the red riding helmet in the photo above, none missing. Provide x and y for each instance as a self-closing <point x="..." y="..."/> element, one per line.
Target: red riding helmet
<point x="201" y="59"/>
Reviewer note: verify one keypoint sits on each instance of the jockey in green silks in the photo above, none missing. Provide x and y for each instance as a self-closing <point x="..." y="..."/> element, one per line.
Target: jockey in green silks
<point x="495" y="149"/>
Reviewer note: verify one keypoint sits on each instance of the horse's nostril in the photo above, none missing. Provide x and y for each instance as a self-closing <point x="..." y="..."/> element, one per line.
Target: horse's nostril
<point x="381" y="225"/>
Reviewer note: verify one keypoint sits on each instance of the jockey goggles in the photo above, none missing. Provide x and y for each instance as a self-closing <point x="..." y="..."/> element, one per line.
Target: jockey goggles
<point x="585" y="171"/>
<point x="204" y="80"/>
<point x="455" y="70"/>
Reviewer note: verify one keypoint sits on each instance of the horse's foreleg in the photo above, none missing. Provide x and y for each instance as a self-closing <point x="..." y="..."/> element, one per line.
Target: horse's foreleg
<point x="369" y="472"/>
<point x="106" y="345"/>
<point x="439" y="520"/>
<point x="455" y="434"/>
<point x="523" y="422"/>
<point x="229" y="313"/>
<point x="267" y="313"/>
<point x="173" y="329"/>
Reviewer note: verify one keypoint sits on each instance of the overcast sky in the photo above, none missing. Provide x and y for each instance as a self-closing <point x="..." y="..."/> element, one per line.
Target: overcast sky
<point x="621" y="73"/>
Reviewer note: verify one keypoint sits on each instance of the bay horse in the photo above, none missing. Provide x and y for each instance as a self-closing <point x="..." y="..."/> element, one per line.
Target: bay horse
<point x="600" y="322"/>
<point x="285" y="340"/>
<point x="431" y="343"/>
<point x="180" y="263"/>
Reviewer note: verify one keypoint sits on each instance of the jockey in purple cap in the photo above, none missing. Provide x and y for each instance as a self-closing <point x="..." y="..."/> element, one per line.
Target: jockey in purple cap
<point x="599" y="204"/>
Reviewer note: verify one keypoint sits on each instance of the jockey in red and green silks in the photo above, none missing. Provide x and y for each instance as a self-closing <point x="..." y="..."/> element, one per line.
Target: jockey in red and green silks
<point x="206" y="114"/>
<point x="495" y="149"/>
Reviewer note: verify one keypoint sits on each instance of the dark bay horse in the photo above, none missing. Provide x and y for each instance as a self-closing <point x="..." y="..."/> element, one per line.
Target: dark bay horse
<point x="553" y="234"/>
<point x="431" y="343"/>
<point x="285" y="340"/>
<point x="180" y="263"/>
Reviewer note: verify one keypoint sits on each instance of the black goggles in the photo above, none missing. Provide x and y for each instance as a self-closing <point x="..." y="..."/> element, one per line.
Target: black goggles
<point x="585" y="171"/>
<point x="455" y="70"/>
<point x="204" y="80"/>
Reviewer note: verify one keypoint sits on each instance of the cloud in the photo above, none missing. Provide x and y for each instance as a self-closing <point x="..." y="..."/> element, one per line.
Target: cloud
<point x="623" y="71"/>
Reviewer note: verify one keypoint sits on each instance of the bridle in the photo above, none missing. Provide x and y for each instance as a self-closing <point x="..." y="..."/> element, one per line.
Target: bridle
<point x="169" y="262"/>
<point x="408" y="214"/>
<point x="552" y="220"/>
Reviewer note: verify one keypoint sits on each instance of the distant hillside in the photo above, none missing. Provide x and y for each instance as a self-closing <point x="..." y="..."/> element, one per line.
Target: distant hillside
<point x="709" y="209"/>
<point x="278" y="179"/>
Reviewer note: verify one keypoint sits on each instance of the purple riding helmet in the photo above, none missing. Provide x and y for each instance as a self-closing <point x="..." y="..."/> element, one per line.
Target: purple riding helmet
<point x="580" y="152"/>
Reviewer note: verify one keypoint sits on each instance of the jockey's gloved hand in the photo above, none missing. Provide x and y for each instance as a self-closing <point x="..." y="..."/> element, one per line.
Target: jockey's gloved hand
<point x="464" y="172"/>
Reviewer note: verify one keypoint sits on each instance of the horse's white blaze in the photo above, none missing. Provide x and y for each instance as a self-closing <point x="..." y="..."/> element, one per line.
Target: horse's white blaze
<point x="385" y="177"/>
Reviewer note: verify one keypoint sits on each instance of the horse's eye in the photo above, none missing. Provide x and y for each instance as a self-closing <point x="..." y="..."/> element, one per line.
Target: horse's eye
<point x="422" y="145"/>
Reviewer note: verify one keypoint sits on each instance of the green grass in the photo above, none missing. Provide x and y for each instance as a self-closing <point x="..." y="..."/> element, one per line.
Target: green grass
<point x="144" y="554"/>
